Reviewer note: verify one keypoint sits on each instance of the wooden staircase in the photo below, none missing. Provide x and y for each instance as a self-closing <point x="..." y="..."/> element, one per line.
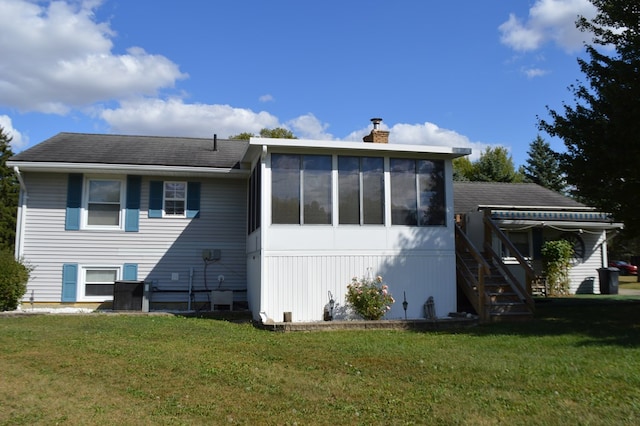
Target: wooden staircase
<point x="490" y="287"/>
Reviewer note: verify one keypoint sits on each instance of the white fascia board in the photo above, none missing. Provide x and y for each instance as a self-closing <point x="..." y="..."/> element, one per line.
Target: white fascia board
<point x="307" y="145"/>
<point x="135" y="169"/>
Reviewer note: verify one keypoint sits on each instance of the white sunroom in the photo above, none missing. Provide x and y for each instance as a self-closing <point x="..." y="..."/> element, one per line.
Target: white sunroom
<point x="322" y="212"/>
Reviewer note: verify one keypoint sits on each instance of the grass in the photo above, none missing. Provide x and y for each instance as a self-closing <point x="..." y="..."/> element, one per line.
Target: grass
<point x="578" y="362"/>
<point x="629" y="282"/>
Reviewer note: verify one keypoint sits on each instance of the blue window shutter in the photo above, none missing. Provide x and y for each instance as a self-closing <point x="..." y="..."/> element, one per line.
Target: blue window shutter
<point x="74" y="202"/>
<point x="130" y="272"/>
<point x="132" y="212"/>
<point x="193" y="199"/>
<point x="69" y="282"/>
<point x="155" y="198"/>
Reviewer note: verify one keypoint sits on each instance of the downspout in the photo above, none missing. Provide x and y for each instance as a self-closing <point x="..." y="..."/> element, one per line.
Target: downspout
<point x="22" y="214"/>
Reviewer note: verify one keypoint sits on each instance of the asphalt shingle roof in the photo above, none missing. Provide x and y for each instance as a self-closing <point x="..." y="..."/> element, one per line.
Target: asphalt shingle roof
<point x="467" y="196"/>
<point x="137" y="150"/>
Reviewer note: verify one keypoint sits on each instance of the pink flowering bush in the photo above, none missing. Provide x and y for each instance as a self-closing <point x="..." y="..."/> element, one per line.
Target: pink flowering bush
<point x="370" y="298"/>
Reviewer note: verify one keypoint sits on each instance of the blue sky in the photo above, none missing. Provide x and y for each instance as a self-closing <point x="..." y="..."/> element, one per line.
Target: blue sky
<point x="463" y="73"/>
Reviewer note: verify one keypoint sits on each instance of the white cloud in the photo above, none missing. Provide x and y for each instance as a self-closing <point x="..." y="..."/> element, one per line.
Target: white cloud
<point x="62" y="58"/>
<point x="534" y="72"/>
<point x="549" y="20"/>
<point x="309" y="127"/>
<point x="175" y="118"/>
<point x="18" y="140"/>
<point x="266" y="98"/>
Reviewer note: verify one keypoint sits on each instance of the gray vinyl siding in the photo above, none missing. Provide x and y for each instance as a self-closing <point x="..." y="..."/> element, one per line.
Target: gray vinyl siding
<point x="160" y="248"/>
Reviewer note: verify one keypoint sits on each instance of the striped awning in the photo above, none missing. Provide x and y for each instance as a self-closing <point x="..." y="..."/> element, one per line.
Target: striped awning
<point x="562" y="216"/>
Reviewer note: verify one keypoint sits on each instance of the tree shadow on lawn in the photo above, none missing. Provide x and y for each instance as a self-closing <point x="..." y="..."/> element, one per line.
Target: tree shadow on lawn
<point x="601" y="320"/>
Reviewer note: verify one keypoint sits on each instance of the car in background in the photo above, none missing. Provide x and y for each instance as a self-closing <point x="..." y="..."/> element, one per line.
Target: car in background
<point x="624" y="267"/>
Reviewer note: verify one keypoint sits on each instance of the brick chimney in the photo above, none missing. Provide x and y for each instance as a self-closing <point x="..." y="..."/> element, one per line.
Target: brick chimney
<point x="377" y="135"/>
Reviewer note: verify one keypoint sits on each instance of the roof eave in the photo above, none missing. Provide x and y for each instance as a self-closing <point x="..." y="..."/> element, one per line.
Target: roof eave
<point x="303" y="145"/>
<point x="134" y="169"/>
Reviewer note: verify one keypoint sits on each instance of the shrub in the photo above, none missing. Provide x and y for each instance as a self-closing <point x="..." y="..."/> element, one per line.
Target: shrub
<point x="556" y="256"/>
<point x="13" y="281"/>
<point x="369" y="298"/>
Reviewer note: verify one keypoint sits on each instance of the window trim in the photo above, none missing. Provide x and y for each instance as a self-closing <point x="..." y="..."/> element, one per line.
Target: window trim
<point x="82" y="282"/>
<point x="85" y="203"/>
<point x="164" y="199"/>
<point x="509" y="233"/>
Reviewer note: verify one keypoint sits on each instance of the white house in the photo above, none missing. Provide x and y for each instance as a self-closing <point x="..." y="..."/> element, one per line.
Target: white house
<point x="529" y="215"/>
<point x="284" y="224"/>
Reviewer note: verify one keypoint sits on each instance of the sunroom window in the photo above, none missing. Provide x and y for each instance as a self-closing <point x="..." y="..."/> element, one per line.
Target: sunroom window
<point x="417" y="192"/>
<point x="361" y="190"/>
<point x="301" y="189"/>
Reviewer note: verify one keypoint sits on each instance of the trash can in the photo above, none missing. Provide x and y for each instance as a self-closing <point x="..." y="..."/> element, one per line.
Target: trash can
<point x="608" y="280"/>
<point x="127" y="295"/>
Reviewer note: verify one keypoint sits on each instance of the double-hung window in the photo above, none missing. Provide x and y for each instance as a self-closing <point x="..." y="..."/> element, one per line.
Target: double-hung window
<point x="175" y="198"/>
<point x="103" y="203"/>
<point x="97" y="283"/>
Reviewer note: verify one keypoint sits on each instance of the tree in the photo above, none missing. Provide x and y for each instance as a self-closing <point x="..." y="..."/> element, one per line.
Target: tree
<point x="9" y="190"/>
<point x="601" y="130"/>
<point x="278" y="132"/>
<point x="244" y="136"/>
<point x="543" y="166"/>
<point x="462" y="168"/>
<point x="494" y="165"/>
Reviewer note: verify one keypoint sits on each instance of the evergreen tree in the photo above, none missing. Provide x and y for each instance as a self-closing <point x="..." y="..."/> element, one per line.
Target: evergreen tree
<point x="9" y="190"/>
<point x="543" y="166"/>
<point x="601" y="130"/>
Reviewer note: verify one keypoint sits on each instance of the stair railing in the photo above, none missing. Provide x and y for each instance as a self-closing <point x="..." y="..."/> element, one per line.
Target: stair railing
<point x="524" y="291"/>
<point x="478" y="298"/>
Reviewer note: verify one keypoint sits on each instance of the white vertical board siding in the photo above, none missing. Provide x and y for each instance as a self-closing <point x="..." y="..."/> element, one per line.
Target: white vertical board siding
<point x="585" y="273"/>
<point x="300" y="283"/>
<point x="160" y="248"/>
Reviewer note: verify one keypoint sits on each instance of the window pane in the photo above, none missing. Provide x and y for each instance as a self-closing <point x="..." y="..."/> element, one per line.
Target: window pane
<point x="521" y="242"/>
<point x="104" y="191"/>
<point x="403" y="192"/>
<point x="349" y="190"/>
<point x="175" y="190"/>
<point x="431" y="186"/>
<point x="101" y="275"/>
<point x="317" y="189"/>
<point x="99" y="282"/>
<point x="103" y="214"/>
<point x="98" y="290"/>
<point x="373" y="190"/>
<point x="285" y="188"/>
<point x="174" y="208"/>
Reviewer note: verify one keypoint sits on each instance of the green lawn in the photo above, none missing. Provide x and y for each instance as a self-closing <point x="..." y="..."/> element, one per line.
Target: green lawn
<point x="629" y="281"/>
<point x="578" y="362"/>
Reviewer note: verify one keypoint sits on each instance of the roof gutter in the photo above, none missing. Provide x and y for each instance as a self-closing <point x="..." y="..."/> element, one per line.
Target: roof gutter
<point x="138" y="169"/>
